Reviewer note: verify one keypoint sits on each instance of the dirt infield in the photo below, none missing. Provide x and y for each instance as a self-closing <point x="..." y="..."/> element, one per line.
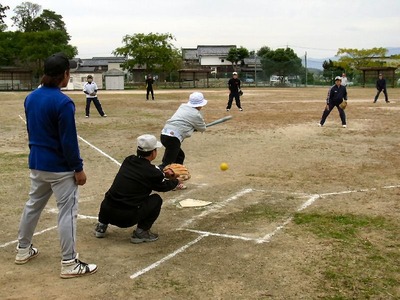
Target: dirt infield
<point x="303" y="212"/>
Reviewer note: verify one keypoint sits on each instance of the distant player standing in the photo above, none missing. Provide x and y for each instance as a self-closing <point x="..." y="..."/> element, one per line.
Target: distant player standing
<point x="149" y="87"/>
<point x="234" y="91"/>
<point x="381" y="87"/>
<point x="90" y="89"/>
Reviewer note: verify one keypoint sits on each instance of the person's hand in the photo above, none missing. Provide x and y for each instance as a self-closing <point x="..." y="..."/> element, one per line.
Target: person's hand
<point x="93" y="94"/>
<point x="80" y="178"/>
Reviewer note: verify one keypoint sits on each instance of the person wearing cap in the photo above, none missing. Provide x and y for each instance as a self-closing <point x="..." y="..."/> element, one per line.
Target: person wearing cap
<point x="381" y="87"/>
<point x="180" y="126"/>
<point x="55" y="166"/>
<point x="129" y="200"/>
<point x="90" y="89"/>
<point x="149" y="87"/>
<point x="234" y="92"/>
<point x="336" y="95"/>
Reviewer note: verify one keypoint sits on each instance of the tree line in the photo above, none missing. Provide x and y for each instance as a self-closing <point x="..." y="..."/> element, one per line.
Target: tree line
<point x="41" y="33"/>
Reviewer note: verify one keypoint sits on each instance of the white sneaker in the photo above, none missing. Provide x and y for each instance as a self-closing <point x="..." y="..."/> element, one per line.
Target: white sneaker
<point x="344" y="126"/>
<point x="25" y="254"/>
<point x="76" y="268"/>
<point x="227" y="109"/>
<point x="319" y="125"/>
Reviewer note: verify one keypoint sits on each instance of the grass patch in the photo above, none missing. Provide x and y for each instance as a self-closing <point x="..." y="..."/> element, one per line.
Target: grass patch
<point x="356" y="267"/>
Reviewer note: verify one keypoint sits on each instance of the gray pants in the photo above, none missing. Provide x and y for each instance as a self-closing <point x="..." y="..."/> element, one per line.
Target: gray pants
<point x="43" y="185"/>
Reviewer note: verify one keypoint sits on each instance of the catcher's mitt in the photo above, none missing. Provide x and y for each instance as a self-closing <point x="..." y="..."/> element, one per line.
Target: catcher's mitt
<point x="180" y="171"/>
<point x="343" y="104"/>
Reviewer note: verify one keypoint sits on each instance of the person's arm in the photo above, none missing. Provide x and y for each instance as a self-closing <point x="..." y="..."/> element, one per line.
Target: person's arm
<point x="85" y="89"/>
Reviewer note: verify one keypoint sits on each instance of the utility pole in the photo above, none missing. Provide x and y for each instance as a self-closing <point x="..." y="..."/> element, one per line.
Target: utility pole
<point x="255" y="68"/>
<point x="305" y="65"/>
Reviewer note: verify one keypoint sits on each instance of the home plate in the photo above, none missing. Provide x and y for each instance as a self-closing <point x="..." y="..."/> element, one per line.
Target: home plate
<point x="193" y="203"/>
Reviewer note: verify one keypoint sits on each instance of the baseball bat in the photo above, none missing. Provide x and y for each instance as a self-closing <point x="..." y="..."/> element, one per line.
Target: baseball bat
<point x="219" y="121"/>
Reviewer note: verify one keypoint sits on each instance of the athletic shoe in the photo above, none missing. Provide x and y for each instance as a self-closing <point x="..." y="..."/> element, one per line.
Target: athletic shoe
<point x="100" y="230"/>
<point x="319" y="125"/>
<point x="144" y="236"/>
<point x="227" y="109"/>
<point x="76" y="268"/>
<point x="86" y="116"/>
<point x="344" y="126"/>
<point x="388" y="101"/>
<point x="25" y="254"/>
<point x="104" y="116"/>
<point x="240" y="109"/>
<point x="180" y="186"/>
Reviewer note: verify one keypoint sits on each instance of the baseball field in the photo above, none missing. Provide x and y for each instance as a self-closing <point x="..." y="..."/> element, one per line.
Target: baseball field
<point x="303" y="212"/>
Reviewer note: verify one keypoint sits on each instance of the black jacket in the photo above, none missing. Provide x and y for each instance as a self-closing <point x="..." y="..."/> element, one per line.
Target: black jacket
<point x="381" y="84"/>
<point x="135" y="181"/>
<point x="336" y="95"/>
<point x="234" y="85"/>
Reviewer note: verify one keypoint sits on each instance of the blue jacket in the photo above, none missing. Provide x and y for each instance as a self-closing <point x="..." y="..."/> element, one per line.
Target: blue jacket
<point x="53" y="141"/>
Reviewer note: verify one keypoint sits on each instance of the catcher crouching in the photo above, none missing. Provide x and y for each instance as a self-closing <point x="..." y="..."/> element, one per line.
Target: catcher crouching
<point x="130" y="201"/>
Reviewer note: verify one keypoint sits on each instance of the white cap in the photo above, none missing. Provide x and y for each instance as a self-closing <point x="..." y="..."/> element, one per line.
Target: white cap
<point x="338" y="78"/>
<point x="196" y="99"/>
<point x="147" y="142"/>
<point x="234" y="73"/>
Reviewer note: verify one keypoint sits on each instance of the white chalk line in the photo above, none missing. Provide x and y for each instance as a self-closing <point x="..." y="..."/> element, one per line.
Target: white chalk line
<point x="36" y="233"/>
<point x="168" y="257"/>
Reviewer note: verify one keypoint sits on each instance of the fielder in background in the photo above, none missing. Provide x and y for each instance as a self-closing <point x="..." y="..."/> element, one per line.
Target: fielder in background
<point x="180" y="126"/>
<point x="149" y="87"/>
<point x="336" y="95"/>
<point x="381" y="87"/>
<point x="55" y="166"/>
<point x="130" y="201"/>
<point x="344" y="79"/>
<point x="234" y="92"/>
<point x="90" y="89"/>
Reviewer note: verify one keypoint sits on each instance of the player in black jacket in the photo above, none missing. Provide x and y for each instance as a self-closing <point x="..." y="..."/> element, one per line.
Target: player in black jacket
<point x="149" y="87"/>
<point x="381" y="87"/>
<point x="234" y="92"/>
<point x="129" y="200"/>
<point x="336" y="95"/>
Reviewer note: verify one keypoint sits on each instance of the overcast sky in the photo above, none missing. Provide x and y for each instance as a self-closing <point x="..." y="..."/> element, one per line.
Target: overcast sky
<point x="318" y="27"/>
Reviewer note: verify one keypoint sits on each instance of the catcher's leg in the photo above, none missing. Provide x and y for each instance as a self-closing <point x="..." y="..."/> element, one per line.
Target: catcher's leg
<point x="149" y="211"/>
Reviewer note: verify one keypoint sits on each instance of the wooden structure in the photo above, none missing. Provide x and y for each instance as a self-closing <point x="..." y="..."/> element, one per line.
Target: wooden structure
<point x="194" y="75"/>
<point x="372" y="73"/>
<point x="15" y="79"/>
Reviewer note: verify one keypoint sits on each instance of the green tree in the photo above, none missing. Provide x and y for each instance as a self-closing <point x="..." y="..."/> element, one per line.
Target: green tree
<point x="3" y="9"/>
<point x="263" y="51"/>
<point x="48" y="20"/>
<point x="281" y="62"/>
<point x="237" y="54"/>
<point x="25" y="13"/>
<point x="331" y="70"/>
<point x="154" y="52"/>
<point x="355" y="58"/>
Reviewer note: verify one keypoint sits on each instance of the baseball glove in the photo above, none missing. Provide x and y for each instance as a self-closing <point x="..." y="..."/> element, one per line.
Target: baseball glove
<point x="240" y="92"/>
<point x="343" y="104"/>
<point x="180" y="171"/>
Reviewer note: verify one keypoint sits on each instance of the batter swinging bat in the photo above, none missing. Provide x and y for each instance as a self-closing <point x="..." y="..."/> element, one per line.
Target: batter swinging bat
<point x="219" y="121"/>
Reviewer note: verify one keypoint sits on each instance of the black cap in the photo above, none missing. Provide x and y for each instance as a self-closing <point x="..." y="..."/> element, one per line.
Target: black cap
<point x="56" y="64"/>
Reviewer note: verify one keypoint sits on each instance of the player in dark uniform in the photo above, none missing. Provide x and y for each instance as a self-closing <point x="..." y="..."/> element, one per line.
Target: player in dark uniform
<point x="234" y="92"/>
<point x="381" y="87"/>
<point x="149" y="87"/>
<point x="337" y="93"/>
<point x="129" y="200"/>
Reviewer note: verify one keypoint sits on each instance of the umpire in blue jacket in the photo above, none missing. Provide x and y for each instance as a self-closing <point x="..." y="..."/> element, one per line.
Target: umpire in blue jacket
<point x="336" y="95"/>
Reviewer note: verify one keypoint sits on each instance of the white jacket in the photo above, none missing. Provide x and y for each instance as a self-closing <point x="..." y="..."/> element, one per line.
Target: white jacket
<point x="184" y="122"/>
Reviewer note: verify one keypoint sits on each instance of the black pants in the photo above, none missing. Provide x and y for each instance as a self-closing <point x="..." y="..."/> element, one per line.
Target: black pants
<point x="150" y="90"/>
<point x="96" y="103"/>
<point x="144" y="215"/>
<point x="384" y="92"/>
<point x="326" y="113"/>
<point x="230" y="100"/>
<point x="173" y="152"/>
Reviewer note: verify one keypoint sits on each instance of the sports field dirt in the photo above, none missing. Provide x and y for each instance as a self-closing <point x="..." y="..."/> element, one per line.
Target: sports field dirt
<point x="303" y="212"/>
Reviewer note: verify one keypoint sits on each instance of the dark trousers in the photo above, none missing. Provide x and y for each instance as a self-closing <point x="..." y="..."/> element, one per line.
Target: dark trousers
<point x="384" y="92"/>
<point x="96" y="103"/>
<point x="173" y="152"/>
<point x="230" y="100"/>
<point x="144" y="215"/>
<point x="150" y="90"/>
<point x="326" y="113"/>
